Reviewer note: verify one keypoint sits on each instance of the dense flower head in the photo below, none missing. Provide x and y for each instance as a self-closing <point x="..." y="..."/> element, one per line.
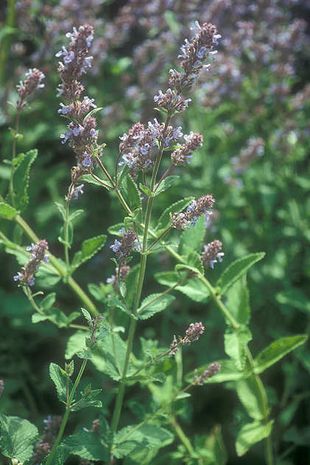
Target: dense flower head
<point x="83" y="139"/>
<point x="38" y="255"/>
<point x="201" y="206"/>
<point x="127" y="243"/>
<point x="136" y="147"/>
<point x="194" y="53"/>
<point x="75" y="61"/>
<point x="192" y="334"/>
<point x="211" y="371"/>
<point x="32" y="82"/>
<point x="183" y="154"/>
<point x="171" y="101"/>
<point x="120" y="275"/>
<point x="212" y="253"/>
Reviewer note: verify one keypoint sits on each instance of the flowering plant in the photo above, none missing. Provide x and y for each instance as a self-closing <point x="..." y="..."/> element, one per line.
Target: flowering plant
<point x="149" y="154"/>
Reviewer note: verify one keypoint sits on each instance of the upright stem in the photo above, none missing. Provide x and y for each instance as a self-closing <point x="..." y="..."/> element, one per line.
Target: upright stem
<point x="182" y="436"/>
<point x="66" y="236"/>
<point x="66" y="415"/>
<point x="16" y="129"/>
<point x="143" y="261"/>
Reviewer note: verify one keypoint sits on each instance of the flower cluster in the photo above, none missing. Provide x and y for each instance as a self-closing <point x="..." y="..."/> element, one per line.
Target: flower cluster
<point x="201" y="206"/>
<point x="183" y="154"/>
<point x="38" y="255"/>
<point x="120" y="274"/>
<point x="123" y="247"/>
<point x="137" y="146"/>
<point x="81" y="133"/>
<point x="212" y="253"/>
<point x="194" y="54"/>
<point x="193" y="333"/>
<point x="32" y="82"/>
<point x="211" y="371"/>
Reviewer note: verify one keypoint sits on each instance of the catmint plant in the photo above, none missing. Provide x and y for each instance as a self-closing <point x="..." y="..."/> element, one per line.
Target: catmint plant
<point x="108" y="370"/>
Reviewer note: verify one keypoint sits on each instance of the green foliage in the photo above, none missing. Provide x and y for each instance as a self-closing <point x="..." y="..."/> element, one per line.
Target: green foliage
<point x="87" y="445"/>
<point x="236" y="342"/>
<point x="90" y="247"/>
<point x="17" y="438"/>
<point x="237" y="269"/>
<point x="153" y="304"/>
<point x="7" y="212"/>
<point x="61" y="381"/>
<point x="21" y="177"/>
<point x="277" y="350"/>
<point x="250" y="434"/>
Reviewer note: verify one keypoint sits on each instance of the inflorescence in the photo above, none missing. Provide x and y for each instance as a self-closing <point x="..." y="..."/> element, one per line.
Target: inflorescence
<point x="38" y="255"/>
<point x="81" y="134"/>
<point x="32" y="82"/>
<point x="212" y="253"/>
<point x="193" y="333"/>
<point x="201" y="206"/>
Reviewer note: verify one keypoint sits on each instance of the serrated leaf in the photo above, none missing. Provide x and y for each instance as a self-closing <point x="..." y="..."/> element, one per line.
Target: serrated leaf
<point x="165" y="218"/>
<point x="21" y="178"/>
<point x="56" y="316"/>
<point x="128" y="439"/>
<point x="90" y="180"/>
<point x="6" y="211"/>
<point x="60" y="380"/>
<point x="192" y="288"/>
<point x="88" y="399"/>
<point x="192" y="239"/>
<point x="87" y="445"/>
<point x="237" y="269"/>
<point x="277" y="350"/>
<point x="17" y="438"/>
<point x="235" y="345"/>
<point x="238" y="301"/>
<point x="146" y="190"/>
<point x="48" y="301"/>
<point x="248" y="391"/>
<point x="89" y="248"/>
<point x="116" y="229"/>
<point x="131" y="193"/>
<point x="166" y="184"/>
<point x="153" y="304"/>
<point x="250" y="434"/>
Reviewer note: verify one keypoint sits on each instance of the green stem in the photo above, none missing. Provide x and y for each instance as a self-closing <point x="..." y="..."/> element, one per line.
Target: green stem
<point x="182" y="436"/>
<point x="59" y="268"/>
<point x="15" y="135"/>
<point x="66" y="235"/>
<point x="66" y="415"/>
<point x="133" y="322"/>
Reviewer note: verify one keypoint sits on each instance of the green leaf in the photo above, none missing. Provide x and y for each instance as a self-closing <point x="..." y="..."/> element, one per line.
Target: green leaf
<point x="17" y="438"/>
<point x="88" y="399"/>
<point x="166" y="184"/>
<point x="192" y="238"/>
<point x="130" y="438"/>
<point x="146" y="190"/>
<point x="238" y="301"/>
<point x="89" y="248"/>
<point x="56" y="316"/>
<point x="192" y="288"/>
<point x="228" y="372"/>
<point x="7" y="212"/>
<point x="90" y="180"/>
<point x="21" y="178"/>
<point x="236" y="342"/>
<point x="250" y="434"/>
<point x="87" y="445"/>
<point x="153" y="304"/>
<point x="165" y="218"/>
<point x="215" y="447"/>
<point x="237" y="269"/>
<point x="277" y="350"/>
<point x="60" y="379"/>
<point x="248" y="391"/>
<point x="131" y="193"/>
<point x="48" y="301"/>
